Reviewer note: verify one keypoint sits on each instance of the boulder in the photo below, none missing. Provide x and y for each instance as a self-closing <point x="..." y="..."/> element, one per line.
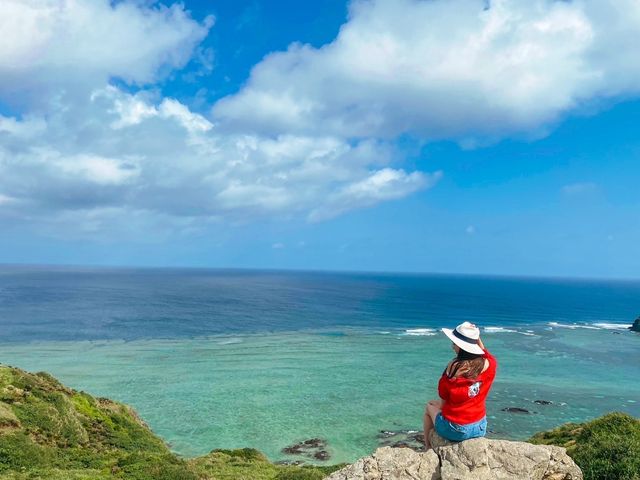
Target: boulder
<point x="392" y="464"/>
<point x="636" y="325"/>
<point x="476" y="459"/>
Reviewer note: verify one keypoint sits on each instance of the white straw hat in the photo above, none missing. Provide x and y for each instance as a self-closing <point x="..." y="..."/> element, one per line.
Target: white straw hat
<point x="465" y="336"/>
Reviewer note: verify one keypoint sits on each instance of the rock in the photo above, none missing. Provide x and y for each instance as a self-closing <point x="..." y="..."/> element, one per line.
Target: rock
<point x="476" y="459"/>
<point x="322" y="455"/>
<point x="392" y="464"/>
<point x="401" y="444"/>
<point x="312" y="448"/>
<point x="636" y="325"/>
<point x="515" y="410"/>
<point x="293" y="449"/>
<point x="314" y="443"/>
<point x="401" y="439"/>
<point x="543" y="402"/>
<point x="561" y="465"/>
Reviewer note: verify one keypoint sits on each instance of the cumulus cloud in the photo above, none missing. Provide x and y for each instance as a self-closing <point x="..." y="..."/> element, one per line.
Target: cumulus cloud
<point x="85" y="149"/>
<point x="51" y="47"/>
<point x="165" y="159"/>
<point x="445" y="69"/>
<point x="311" y="133"/>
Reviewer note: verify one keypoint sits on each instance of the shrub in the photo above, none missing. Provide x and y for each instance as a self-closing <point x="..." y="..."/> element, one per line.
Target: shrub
<point x="607" y="448"/>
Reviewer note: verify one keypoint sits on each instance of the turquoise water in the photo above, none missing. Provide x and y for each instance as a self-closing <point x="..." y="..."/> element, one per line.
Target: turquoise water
<point x="229" y="358"/>
<point x="270" y="390"/>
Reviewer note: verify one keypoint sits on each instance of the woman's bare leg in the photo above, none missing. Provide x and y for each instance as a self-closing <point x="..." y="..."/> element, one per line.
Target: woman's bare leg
<point x="430" y="413"/>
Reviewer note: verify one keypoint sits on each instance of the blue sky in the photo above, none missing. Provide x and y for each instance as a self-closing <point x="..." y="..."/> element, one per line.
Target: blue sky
<point x="369" y="135"/>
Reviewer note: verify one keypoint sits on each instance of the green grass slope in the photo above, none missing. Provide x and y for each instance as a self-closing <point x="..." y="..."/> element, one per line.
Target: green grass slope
<point x="49" y="431"/>
<point x="607" y="448"/>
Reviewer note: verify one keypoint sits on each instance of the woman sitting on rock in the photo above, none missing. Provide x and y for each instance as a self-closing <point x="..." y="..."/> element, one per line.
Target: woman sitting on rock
<point x="463" y="388"/>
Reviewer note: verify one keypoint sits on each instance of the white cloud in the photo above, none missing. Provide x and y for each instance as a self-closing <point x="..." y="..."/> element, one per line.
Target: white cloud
<point x="445" y="69"/>
<point x="311" y="134"/>
<point x="277" y="246"/>
<point x="96" y="169"/>
<point x="470" y="230"/>
<point x="381" y="185"/>
<point x="50" y="47"/>
<point x="121" y="151"/>
<point x="85" y="152"/>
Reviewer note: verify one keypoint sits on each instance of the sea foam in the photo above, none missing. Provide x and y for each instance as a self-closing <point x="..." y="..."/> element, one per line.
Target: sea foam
<point x="573" y="326"/>
<point x="499" y="330"/>
<point x="613" y="326"/>
<point x="528" y="333"/>
<point x="420" y="332"/>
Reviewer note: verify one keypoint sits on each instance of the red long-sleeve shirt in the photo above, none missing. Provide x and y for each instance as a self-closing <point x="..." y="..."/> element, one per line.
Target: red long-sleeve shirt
<point x="464" y="398"/>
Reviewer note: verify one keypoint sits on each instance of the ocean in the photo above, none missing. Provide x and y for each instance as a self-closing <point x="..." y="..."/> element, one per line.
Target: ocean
<point x="264" y="359"/>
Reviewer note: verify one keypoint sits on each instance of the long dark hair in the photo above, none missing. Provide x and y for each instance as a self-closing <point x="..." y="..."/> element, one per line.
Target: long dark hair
<point x="467" y="365"/>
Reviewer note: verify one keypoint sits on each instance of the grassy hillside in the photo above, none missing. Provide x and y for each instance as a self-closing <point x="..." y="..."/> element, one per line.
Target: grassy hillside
<point x="607" y="448"/>
<point x="49" y="431"/>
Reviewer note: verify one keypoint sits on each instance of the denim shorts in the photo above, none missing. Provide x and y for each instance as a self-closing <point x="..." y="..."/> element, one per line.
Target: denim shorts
<point x="457" y="433"/>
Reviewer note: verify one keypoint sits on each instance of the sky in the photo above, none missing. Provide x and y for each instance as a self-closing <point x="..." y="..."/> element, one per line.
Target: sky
<point x="449" y="136"/>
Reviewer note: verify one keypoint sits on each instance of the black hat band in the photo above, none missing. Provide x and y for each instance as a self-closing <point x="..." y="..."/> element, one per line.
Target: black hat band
<point x="464" y="338"/>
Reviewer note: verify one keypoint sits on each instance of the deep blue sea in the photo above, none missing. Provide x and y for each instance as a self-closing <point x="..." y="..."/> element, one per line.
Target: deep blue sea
<point x="234" y="358"/>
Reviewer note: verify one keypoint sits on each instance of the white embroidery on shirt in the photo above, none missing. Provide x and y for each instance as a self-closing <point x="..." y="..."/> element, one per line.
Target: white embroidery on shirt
<point x="474" y="389"/>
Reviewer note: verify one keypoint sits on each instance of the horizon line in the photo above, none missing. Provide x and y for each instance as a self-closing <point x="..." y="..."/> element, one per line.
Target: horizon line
<point x="523" y="276"/>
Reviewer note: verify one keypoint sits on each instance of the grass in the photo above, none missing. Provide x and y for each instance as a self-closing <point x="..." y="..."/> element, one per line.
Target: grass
<point x="607" y="448"/>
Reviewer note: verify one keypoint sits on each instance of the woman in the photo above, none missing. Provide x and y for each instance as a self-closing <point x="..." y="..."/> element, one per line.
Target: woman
<point x="463" y="388"/>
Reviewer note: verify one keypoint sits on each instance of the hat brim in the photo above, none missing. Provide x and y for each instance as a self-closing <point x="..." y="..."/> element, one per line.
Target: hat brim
<point x="466" y="346"/>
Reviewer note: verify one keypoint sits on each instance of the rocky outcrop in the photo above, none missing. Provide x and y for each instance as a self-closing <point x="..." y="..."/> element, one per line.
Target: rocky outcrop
<point x="476" y="459"/>
<point x="391" y="463"/>
<point x="636" y="325"/>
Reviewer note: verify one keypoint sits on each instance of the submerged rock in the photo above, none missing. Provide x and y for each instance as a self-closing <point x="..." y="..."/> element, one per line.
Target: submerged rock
<point x="312" y="448"/>
<point x="543" y="402"/>
<point x="476" y="459"/>
<point x="402" y="438"/>
<point x="515" y="410"/>
<point x="322" y="455"/>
